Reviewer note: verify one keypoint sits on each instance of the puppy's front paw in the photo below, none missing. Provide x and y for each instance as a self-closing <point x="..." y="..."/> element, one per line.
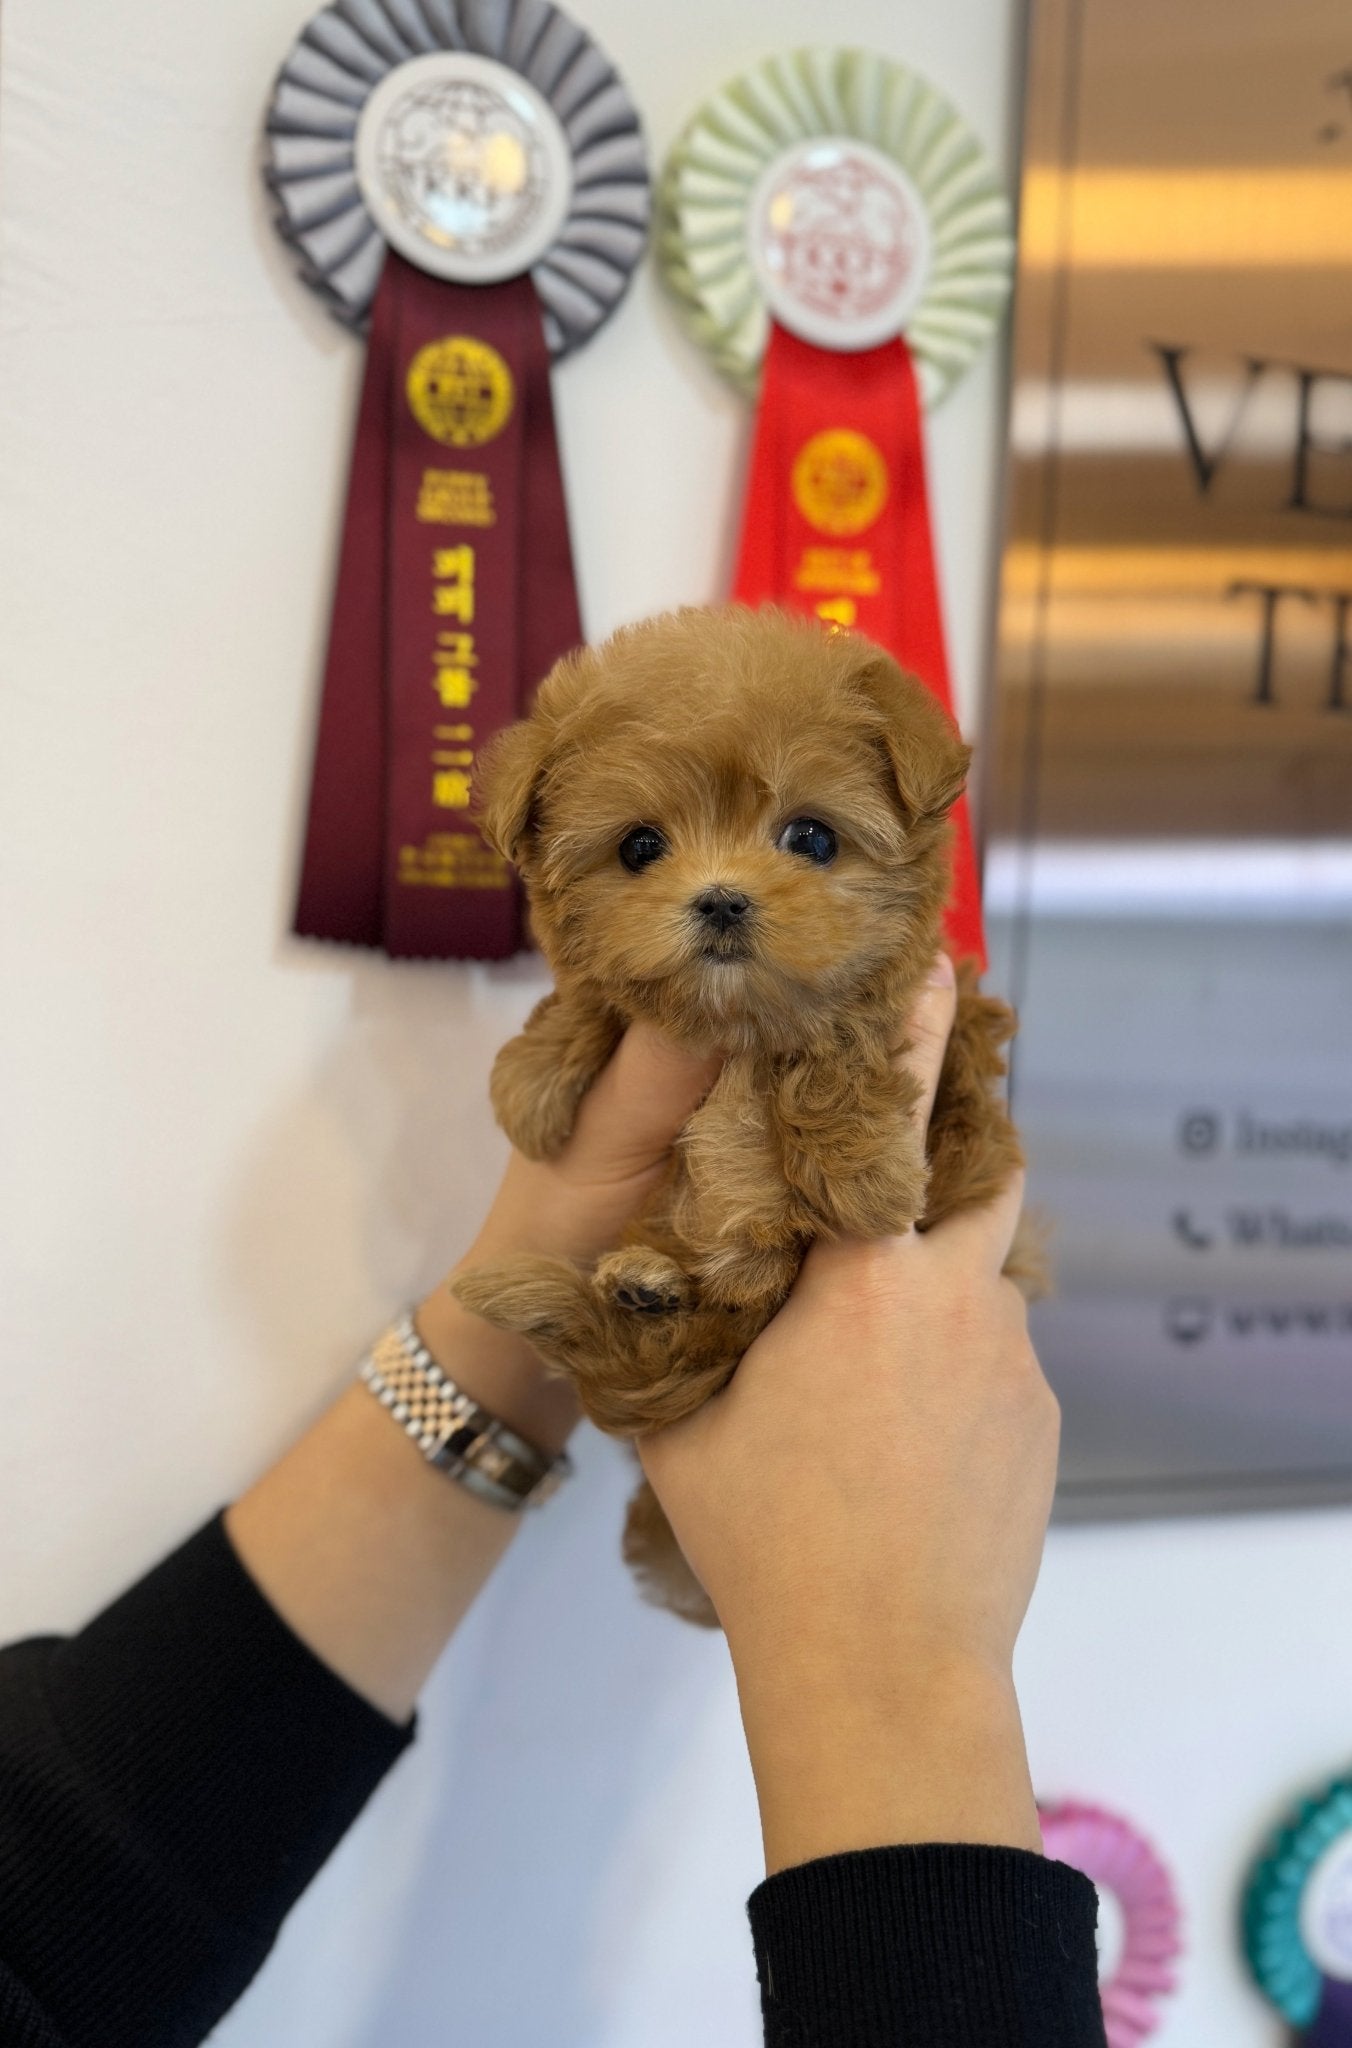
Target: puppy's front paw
<point x="644" y="1282"/>
<point x="544" y="1299"/>
<point x="540" y="1078"/>
<point x="534" y="1098"/>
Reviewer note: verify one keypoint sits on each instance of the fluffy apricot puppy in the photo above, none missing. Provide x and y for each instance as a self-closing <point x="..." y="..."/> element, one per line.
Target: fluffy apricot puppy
<point x="733" y="824"/>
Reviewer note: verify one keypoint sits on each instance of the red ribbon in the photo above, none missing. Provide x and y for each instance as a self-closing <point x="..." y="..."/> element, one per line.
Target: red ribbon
<point x="455" y="594"/>
<point x="837" y="525"/>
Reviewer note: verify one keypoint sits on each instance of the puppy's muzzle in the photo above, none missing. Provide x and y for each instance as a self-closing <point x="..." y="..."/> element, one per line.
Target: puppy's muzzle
<point x="723" y="916"/>
<point x="720" y="909"/>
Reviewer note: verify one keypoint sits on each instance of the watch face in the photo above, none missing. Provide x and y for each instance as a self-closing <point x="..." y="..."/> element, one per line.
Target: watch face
<point x="464" y="167"/>
<point x="1326" y="1911"/>
<point x="840" y="242"/>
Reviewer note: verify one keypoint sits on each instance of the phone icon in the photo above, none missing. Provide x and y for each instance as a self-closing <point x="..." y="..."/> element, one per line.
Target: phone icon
<point x="1187" y="1232"/>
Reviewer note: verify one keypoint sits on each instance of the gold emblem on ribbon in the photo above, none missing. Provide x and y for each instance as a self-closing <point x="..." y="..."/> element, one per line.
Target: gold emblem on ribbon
<point x="839" y="481"/>
<point x="460" y="391"/>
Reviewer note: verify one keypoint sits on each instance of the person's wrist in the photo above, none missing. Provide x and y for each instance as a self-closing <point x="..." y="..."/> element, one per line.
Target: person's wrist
<point x="499" y="1370"/>
<point x="536" y="1212"/>
<point x="920" y="1748"/>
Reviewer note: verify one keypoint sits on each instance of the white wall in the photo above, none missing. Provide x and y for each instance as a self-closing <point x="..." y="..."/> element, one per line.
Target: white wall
<point x="227" y="1156"/>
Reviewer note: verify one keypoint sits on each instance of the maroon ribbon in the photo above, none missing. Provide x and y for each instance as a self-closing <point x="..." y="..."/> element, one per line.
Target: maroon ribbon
<point x="455" y="595"/>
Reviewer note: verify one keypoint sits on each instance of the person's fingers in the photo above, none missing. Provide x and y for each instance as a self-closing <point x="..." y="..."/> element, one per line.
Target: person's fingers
<point x="640" y="1100"/>
<point x="928" y="1029"/>
<point x="924" y="1044"/>
<point x="984" y="1235"/>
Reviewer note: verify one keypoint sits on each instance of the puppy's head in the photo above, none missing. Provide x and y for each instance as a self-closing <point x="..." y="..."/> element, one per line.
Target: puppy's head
<point x="728" y="820"/>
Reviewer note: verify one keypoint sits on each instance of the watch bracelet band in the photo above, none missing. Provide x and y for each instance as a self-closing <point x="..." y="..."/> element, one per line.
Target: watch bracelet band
<point x="451" y="1429"/>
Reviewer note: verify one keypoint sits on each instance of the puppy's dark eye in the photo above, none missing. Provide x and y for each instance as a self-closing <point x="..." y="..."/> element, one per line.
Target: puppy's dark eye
<point x="641" y="847"/>
<point x="811" y="839"/>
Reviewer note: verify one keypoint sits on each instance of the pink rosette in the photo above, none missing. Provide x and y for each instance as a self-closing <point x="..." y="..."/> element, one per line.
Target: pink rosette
<point x="1120" y="1860"/>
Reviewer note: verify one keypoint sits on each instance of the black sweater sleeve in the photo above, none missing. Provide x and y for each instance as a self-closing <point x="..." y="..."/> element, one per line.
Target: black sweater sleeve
<point x="928" y="1947"/>
<point x="173" y="1776"/>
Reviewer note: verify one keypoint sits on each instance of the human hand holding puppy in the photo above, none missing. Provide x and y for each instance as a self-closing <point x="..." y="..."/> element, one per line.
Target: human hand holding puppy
<point x="866" y="1504"/>
<point x="867" y="1517"/>
<point x="867" y="1500"/>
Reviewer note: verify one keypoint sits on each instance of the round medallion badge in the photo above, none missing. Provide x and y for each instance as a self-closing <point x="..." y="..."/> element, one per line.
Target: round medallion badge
<point x="840" y="243"/>
<point x="839" y="482"/>
<point x="464" y="167"/>
<point x="460" y="391"/>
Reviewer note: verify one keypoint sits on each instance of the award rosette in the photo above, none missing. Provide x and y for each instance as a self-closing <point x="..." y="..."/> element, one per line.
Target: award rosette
<point x="1298" y="1918"/>
<point x="1139" y="1933"/>
<point x="466" y="181"/>
<point x="831" y="227"/>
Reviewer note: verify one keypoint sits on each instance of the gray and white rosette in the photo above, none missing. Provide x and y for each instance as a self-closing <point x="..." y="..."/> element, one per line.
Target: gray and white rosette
<point x="480" y="138"/>
<point x="841" y="192"/>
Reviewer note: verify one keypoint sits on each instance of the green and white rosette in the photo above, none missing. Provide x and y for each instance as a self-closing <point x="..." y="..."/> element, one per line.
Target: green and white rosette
<point x="1298" y="1918"/>
<point x="840" y="191"/>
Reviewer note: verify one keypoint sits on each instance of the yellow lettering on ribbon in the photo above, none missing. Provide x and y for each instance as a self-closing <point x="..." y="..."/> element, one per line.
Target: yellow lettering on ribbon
<point x="453" y="682"/>
<point x="453" y="860"/>
<point x="453" y="592"/>
<point x="455" y="497"/>
<point x="838" y="569"/>
<point x="451" y="789"/>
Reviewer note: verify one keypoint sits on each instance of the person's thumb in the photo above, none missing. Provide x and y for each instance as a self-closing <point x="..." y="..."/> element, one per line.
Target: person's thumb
<point x="640" y="1101"/>
<point x="928" y="1028"/>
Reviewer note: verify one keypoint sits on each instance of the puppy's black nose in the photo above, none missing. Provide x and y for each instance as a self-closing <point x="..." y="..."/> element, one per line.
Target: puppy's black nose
<point x="722" y="908"/>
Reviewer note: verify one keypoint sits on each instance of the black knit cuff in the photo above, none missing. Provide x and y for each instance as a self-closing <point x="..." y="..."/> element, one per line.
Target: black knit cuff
<point x="173" y="1778"/>
<point x="241" y="1755"/>
<point x="929" y="1946"/>
<point x="23" y="2024"/>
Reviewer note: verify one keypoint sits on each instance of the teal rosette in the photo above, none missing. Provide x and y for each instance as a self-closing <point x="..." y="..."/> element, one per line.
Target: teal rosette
<point x="1300" y="1893"/>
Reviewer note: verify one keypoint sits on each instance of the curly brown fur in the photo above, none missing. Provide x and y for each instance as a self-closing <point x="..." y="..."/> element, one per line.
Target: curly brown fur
<point x="717" y="729"/>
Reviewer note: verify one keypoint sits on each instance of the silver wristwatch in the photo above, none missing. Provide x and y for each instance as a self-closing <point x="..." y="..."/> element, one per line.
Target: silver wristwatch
<point x="451" y="1430"/>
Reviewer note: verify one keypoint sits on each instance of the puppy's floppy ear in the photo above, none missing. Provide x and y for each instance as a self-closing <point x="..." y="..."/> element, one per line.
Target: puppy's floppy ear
<point x="510" y="771"/>
<point x="513" y="766"/>
<point x="927" y="753"/>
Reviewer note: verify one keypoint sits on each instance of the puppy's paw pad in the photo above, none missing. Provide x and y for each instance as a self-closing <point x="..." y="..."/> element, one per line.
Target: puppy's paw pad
<point x="644" y="1283"/>
<point x="647" y="1301"/>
